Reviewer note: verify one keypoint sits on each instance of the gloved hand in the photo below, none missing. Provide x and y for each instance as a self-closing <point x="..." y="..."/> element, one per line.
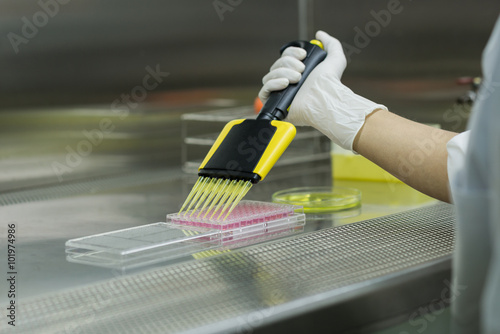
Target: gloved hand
<point x="322" y="102"/>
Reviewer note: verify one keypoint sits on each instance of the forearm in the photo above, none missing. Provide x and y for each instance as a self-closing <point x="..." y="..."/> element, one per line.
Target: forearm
<point x="414" y="153"/>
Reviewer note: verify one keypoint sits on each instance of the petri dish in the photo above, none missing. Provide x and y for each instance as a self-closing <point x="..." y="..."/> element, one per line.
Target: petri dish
<point x="320" y="200"/>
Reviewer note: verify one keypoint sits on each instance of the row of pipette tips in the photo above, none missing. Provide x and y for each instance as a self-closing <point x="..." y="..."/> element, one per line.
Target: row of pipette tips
<point x="214" y="197"/>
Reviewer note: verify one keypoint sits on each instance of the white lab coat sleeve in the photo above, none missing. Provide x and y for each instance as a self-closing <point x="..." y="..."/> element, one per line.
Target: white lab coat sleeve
<point x="456" y="148"/>
<point x="476" y="193"/>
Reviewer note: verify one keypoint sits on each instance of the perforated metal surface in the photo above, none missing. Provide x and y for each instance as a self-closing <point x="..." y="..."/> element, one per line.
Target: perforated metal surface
<point x="228" y="292"/>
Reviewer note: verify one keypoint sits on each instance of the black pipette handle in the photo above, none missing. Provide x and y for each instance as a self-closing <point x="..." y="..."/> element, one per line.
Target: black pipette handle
<point x="276" y="107"/>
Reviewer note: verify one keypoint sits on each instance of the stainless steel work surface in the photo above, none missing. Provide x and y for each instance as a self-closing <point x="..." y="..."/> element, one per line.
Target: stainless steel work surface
<point x="134" y="177"/>
<point x="252" y="288"/>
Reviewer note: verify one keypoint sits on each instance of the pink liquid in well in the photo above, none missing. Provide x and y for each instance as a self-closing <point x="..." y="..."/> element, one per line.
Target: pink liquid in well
<point x="244" y="214"/>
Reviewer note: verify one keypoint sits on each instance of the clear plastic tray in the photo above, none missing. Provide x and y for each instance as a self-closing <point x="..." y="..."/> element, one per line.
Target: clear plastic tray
<point x="249" y="223"/>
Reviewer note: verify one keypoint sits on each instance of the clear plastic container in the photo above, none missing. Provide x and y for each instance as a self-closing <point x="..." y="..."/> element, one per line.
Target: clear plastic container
<point x="182" y="235"/>
<point x="320" y="200"/>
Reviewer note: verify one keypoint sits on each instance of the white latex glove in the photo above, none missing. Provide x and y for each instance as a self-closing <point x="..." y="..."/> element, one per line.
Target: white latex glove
<point x="322" y="102"/>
